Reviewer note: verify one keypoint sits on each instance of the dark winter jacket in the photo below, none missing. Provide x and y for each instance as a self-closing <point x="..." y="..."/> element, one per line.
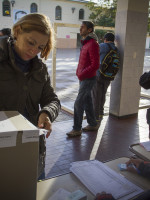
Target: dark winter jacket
<point x="145" y="80"/>
<point x="144" y="169"/>
<point x="26" y="92"/>
<point x="19" y="91"/>
<point x="89" y="58"/>
<point x="145" y="83"/>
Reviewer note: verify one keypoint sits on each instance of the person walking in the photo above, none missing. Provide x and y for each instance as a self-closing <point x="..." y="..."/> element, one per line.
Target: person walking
<point x="86" y="73"/>
<point x="102" y="82"/>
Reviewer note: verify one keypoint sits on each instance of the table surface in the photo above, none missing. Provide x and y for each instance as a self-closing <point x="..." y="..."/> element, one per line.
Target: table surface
<point x="69" y="182"/>
<point x="140" y="151"/>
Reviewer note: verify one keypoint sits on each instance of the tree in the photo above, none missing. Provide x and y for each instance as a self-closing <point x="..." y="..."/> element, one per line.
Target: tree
<point x="103" y="15"/>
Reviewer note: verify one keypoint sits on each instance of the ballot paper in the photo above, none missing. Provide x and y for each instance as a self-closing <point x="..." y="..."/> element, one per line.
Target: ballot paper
<point x="146" y="145"/>
<point x="98" y="177"/>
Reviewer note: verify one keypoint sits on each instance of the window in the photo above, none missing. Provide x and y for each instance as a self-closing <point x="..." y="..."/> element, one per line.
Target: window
<point x="33" y="8"/>
<point x="6" y="8"/>
<point x="58" y="13"/>
<point x="81" y="14"/>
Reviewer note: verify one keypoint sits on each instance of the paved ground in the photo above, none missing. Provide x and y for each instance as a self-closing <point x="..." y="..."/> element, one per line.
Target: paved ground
<point x="114" y="136"/>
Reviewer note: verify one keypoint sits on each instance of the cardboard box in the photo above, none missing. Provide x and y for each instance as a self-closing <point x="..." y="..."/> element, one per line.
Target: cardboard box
<point x="19" y="153"/>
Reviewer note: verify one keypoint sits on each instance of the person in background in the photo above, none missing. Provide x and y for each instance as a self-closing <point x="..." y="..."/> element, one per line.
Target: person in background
<point x="24" y="80"/>
<point x="86" y="73"/>
<point x="142" y="168"/>
<point x="5" y="32"/>
<point x="145" y="83"/>
<point x="101" y="86"/>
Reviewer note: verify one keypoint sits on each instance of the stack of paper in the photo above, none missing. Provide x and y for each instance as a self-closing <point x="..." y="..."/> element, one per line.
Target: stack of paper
<point x="98" y="177"/>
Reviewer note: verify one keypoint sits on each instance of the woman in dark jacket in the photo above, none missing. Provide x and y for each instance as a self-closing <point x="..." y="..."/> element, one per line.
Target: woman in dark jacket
<point x="24" y="80"/>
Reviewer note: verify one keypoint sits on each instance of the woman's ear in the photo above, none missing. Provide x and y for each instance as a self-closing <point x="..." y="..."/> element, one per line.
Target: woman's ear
<point x="17" y="31"/>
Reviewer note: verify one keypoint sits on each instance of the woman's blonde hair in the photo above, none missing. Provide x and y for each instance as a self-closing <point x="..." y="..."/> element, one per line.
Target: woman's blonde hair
<point x="40" y="23"/>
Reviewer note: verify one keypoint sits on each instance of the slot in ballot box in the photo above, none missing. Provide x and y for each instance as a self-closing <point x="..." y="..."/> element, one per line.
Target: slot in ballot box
<point x="19" y="153"/>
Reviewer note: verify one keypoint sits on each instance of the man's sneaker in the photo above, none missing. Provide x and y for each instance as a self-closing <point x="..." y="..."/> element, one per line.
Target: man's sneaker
<point x="74" y="133"/>
<point x="91" y="128"/>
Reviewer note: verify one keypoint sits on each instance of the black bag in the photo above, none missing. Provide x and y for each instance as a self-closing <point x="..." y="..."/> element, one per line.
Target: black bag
<point x="148" y="116"/>
<point x="145" y="80"/>
<point x="110" y="64"/>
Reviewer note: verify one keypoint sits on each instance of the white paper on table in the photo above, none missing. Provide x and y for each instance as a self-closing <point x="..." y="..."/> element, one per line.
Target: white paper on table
<point x="98" y="177"/>
<point x="60" y="194"/>
<point x="146" y="145"/>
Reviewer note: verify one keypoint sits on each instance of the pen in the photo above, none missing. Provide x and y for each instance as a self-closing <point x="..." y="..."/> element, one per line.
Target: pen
<point x="132" y="165"/>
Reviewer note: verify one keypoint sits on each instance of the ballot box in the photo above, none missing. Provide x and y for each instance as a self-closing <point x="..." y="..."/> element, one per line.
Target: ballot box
<point x="19" y="150"/>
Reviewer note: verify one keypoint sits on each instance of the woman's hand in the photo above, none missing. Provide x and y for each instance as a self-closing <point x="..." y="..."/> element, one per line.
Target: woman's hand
<point x="45" y="122"/>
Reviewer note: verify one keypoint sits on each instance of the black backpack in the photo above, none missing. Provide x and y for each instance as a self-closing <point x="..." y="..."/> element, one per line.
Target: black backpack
<point x="110" y="64"/>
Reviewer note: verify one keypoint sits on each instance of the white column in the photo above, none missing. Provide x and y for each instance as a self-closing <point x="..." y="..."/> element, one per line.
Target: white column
<point x="130" y="30"/>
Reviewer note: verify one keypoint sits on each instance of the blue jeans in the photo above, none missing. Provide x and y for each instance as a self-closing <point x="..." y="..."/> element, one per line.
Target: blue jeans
<point x="84" y="103"/>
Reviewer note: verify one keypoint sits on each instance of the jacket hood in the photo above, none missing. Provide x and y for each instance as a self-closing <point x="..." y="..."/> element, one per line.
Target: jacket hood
<point x="90" y="36"/>
<point x="93" y="36"/>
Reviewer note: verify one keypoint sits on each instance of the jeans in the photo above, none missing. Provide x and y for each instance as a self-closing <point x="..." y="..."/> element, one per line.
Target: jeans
<point x="84" y="103"/>
<point x="99" y="96"/>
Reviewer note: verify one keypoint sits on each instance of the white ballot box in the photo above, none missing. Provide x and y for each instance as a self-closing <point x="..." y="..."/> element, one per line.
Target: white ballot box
<point x="19" y="153"/>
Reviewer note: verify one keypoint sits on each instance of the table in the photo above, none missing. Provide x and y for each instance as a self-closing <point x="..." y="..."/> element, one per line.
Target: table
<point x="69" y="182"/>
<point x="140" y="151"/>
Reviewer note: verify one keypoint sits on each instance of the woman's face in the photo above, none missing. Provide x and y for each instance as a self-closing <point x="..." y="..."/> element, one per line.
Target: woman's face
<point x="28" y="45"/>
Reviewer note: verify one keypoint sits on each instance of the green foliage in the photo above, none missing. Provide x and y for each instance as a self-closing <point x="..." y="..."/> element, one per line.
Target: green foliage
<point x="148" y="27"/>
<point x="103" y="15"/>
<point x="100" y="34"/>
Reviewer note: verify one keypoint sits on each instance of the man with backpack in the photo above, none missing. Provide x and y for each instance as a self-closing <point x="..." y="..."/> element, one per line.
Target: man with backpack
<point x="109" y="66"/>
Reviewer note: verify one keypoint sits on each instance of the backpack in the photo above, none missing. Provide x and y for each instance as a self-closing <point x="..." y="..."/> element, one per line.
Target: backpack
<point x="110" y="64"/>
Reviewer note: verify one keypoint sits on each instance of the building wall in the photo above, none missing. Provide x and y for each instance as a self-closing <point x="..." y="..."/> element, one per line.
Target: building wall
<point x="66" y="37"/>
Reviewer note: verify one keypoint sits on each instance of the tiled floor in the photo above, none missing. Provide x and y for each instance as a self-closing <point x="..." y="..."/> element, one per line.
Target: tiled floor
<point x="111" y="141"/>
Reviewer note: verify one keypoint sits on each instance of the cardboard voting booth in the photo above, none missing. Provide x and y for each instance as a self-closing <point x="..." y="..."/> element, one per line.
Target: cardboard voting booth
<point x="19" y="153"/>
